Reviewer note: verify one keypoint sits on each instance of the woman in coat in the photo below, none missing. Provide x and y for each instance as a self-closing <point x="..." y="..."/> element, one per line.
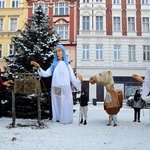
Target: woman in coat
<point x="137" y="105"/>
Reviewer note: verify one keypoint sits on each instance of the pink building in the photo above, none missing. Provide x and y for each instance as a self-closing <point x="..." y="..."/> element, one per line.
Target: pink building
<point x="63" y="16"/>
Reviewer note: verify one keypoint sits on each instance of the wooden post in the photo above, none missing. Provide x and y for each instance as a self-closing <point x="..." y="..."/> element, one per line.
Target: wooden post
<point x="13" y="109"/>
<point x="39" y="109"/>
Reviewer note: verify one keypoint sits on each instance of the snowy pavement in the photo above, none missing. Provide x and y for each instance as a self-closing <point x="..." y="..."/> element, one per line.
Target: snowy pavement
<point x="93" y="136"/>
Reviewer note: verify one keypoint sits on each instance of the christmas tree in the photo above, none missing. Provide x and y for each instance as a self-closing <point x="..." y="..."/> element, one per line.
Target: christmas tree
<point x="36" y="43"/>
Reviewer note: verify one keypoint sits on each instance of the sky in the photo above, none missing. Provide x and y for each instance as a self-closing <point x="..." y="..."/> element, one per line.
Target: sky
<point x="128" y="135"/>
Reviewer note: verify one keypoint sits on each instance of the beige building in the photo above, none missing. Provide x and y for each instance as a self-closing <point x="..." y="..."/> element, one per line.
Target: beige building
<point x="13" y="14"/>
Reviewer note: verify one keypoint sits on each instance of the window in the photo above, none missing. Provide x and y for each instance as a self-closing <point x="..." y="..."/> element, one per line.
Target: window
<point x="13" y="24"/>
<point x="1" y="24"/>
<point x="99" y="23"/>
<point x="130" y="1"/>
<point x="117" y="53"/>
<point x="99" y="1"/>
<point x="62" y="30"/>
<point x="85" y="52"/>
<point x="44" y="7"/>
<point x="2" y="3"/>
<point x="146" y="53"/>
<point x="86" y="22"/>
<point x="0" y="50"/>
<point x="11" y="49"/>
<point x="85" y="1"/>
<point x="145" y="1"/>
<point x="145" y="21"/>
<point x="116" y="23"/>
<point x="131" y="24"/>
<point x="116" y="1"/>
<point x="131" y="51"/>
<point x="99" y="51"/>
<point x="61" y="8"/>
<point x="15" y="3"/>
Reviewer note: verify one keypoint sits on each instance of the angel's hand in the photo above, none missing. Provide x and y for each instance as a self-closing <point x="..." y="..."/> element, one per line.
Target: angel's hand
<point x="138" y="77"/>
<point x="80" y="77"/>
<point x="35" y="64"/>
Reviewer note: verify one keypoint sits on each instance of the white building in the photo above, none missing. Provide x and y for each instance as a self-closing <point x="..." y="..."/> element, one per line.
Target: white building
<point x="113" y="35"/>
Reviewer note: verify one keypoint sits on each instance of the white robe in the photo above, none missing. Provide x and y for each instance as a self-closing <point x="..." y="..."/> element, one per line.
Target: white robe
<point x="146" y="85"/>
<point x="61" y="93"/>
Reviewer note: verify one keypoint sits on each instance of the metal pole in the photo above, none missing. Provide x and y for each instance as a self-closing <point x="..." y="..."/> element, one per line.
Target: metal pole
<point x="79" y="113"/>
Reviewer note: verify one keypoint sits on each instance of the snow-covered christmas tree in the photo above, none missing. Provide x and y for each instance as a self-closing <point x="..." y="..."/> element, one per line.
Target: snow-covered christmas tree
<point x="35" y="43"/>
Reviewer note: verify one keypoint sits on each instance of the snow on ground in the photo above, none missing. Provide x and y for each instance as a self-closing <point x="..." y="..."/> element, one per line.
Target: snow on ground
<point x="128" y="135"/>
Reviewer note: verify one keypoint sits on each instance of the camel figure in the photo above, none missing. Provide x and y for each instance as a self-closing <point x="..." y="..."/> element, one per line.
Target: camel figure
<point x="145" y="84"/>
<point x="113" y="105"/>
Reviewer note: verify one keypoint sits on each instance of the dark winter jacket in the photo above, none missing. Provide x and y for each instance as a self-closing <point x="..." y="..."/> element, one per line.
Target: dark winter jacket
<point x="137" y="97"/>
<point x="137" y="100"/>
<point x="2" y="87"/>
<point x="83" y="99"/>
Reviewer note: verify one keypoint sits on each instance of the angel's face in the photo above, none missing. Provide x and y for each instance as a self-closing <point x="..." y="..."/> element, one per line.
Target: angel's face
<point x="59" y="53"/>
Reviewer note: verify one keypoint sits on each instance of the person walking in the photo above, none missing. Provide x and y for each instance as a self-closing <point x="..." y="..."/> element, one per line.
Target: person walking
<point x="137" y="105"/>
<point x="61" y="92"/>
<point x="3" y="85"/>
<point x="83" y="107"/>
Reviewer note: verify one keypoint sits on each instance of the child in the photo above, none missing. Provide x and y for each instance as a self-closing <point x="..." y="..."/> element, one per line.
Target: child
<point x="83" y="107"/>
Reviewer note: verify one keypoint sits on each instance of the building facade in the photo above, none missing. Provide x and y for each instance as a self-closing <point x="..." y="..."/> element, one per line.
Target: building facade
<point x="98" y="35"/>
<point x="63" y="15"/>
<point x="113" y="35"/>
<point x="13" y="14"/>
